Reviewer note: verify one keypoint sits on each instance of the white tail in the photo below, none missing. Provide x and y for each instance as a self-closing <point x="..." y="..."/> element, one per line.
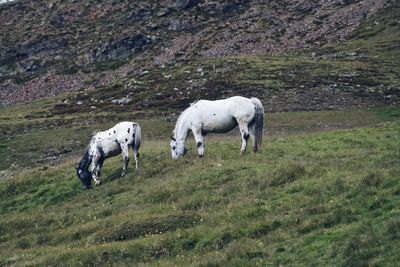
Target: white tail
<point x="259" y="122"/>
<point x="138" y="138"/>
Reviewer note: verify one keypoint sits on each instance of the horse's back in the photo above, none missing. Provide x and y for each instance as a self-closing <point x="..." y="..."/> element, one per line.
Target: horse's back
<point x="221" y="115"/>
<point x="110" y="141"/>
<point x="233" y="102"/>
<point x="123" y="125"/>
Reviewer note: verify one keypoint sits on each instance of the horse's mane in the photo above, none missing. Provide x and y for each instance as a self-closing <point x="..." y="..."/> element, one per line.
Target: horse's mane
<point x="181" y="116"/>
<point x="85" y="161"/>
<point x="191" y="104"/>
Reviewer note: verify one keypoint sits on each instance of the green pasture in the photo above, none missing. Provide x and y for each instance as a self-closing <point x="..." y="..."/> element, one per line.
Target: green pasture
<point x="323" y="191"/>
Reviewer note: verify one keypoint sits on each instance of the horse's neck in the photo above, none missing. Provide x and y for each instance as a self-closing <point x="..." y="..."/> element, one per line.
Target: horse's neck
<point x="85" y="161"/>
<point x="182" y="130"/>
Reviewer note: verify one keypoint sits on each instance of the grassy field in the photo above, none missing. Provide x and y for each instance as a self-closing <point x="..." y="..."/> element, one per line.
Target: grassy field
<point x="27" y="138"/>
<point x="323" y="191"/>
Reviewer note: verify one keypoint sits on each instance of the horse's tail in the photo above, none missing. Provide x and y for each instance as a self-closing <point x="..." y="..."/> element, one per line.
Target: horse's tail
<point x="138" y="137"/>
<point x="258" y="121"/>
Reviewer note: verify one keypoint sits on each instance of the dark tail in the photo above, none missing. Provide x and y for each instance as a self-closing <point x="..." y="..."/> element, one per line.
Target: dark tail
<point x="259" y="122"/>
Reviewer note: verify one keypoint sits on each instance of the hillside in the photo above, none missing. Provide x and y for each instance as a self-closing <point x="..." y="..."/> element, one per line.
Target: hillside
<point x="320" y="199"/>
<point x="65" y="46"/>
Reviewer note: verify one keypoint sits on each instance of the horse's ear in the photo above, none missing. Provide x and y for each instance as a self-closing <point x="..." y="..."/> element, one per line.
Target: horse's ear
<point x="173" y="138"/>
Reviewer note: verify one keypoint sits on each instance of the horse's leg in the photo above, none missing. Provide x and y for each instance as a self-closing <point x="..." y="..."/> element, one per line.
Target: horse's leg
<point x="199" y="141"/>
<point x="252" y="131"/>
<point x="125" y="157"/>
<point x="136" y="153"/>
<point x="203" y="138"/>
<point x="244" y="132"/>
<point x="95" y="169"/>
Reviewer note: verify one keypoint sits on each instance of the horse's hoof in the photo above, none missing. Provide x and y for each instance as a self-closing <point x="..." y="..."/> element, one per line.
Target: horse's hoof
<point x="98" y="182"/>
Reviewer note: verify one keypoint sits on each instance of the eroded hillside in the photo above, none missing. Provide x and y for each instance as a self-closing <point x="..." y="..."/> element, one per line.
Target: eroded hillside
<point x="61" y="46"/>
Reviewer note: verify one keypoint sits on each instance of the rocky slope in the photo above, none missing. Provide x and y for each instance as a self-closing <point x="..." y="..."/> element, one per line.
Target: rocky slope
<point x="61" y="46"/>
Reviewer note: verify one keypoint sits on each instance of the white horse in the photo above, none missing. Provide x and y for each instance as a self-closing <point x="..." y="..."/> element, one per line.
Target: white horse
<point x="108" y="144"/>
<point x="219" y="116"/>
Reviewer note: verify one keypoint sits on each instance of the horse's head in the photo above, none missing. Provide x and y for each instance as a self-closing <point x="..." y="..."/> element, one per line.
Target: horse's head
<point x="85" y="177"/>
<point x="178" y="149"/>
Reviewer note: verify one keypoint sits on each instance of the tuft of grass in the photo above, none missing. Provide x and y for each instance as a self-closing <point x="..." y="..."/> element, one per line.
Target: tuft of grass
<point x="152" y="226"/>
<point x="389" y="113"/>
<point x="392" y="228"/>
<point x="373" y="179"/>
<point x="287" y="174"/>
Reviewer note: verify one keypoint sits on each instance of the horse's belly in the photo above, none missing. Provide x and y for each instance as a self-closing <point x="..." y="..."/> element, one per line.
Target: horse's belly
<point x="112" y="150"/>
<point x="220" y="125"/>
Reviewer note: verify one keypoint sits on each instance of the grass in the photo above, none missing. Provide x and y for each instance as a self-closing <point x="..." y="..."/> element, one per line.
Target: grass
<point x="29" y="137"/>
<point x="320" y="198"/>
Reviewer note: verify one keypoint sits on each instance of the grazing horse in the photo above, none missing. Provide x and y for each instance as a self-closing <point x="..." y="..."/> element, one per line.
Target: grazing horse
<point x="108" y="144"/>
<point x="219" y="116"/>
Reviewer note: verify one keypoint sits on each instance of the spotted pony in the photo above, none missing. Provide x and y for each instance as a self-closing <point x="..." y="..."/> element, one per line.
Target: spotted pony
<point x="108" y="144"/>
